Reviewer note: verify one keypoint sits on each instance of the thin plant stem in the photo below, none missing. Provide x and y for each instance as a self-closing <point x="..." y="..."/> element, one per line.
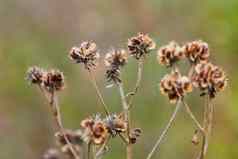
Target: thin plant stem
<point x="99" y="94"/>
<point x="127" y="118"/>
<point x="100" y="152"/>
<point x="138" y="81"/>
<point x="208" y="118"/>
<point x="165" y="131"/>
<point x="192" y="116"/>
<point x="88" y="150"/>
<point x="53" y="101"/>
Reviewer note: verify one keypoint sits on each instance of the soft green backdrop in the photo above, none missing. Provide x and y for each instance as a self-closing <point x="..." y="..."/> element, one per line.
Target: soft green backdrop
<point x="41" y="32"/>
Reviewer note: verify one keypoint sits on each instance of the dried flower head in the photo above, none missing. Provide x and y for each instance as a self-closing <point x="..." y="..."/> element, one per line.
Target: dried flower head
<point x="86" y="54"/>
<point x="140" y="45"/>
<point x="134" y="135"/>
<point x="114" y="61"/>
<point x="53" y="80"/>
<point x="94" y="130"/>
<point x="210" y="78"/>
<point x="169" y="54"/>
<point x="34" y="75"/>
<point x="175" y="86"/>
<point x="51" y="154"/>
<point x="197" y="51"/>
<point x="115" y="124"/>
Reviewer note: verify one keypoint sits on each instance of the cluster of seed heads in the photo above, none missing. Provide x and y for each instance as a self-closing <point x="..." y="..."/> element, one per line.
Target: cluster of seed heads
<point x="52" y="80"/>
<point x="204" y="75"/>
<point x="96" y="130"/>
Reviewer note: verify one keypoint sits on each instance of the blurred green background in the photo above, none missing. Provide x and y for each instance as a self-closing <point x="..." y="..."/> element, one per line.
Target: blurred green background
<point x="42" y="32"/>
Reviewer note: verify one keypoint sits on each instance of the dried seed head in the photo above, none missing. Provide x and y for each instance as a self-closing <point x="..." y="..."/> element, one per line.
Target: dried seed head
<point x="197" y="51"/>
<point x="140" y="45"/>
<point x="195" y="138"/>
<point x="175" y="86"/>
<point x="34" y="75"/>
<point x="53" y="80"/>
<point x="86" y="54"/>
<point x="51" y="154"/>
<point x="169" y="54"/>
<point x="114" y="61"/>
<point x="210" y="78"/>
<point x="115" y="124"/>
<point x="94" y="130"/>
<point x="134" y="135"/>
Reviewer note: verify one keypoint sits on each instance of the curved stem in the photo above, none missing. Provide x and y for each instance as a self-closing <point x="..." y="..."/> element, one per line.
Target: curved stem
<point x="160" y="139"/>
<point x="100" y="152"/>
<point x="138" y="81"/>
<point x="99" y="94"/>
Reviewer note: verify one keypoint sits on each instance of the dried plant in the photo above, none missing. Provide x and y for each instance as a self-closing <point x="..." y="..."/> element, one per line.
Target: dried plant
<point x="92" y="139"/>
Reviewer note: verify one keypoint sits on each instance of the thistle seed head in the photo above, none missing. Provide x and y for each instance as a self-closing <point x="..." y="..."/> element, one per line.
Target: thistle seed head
<point x="140" y="45"/>
<point x="175" y="86"/>
<point x="197" y="51"/>
<point x="210" y="78"/>
<point x="169" y="54"/>
<point x="34" y="75"/>
<point x="86" y="54"/>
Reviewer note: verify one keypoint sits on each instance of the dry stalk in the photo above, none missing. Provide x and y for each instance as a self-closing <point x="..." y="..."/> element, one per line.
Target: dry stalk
<point x="53" y="102"/>
<point x="99" y="94"/>
<point x="127" y="118"/>
<point x="165" y="131"/>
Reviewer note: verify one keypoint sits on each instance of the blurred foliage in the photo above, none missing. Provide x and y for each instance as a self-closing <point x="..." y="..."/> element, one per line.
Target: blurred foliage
<point x="42" y="32"/>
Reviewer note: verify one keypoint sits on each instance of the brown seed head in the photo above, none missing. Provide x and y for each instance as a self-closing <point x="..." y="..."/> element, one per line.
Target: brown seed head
<point x="210" y="78"/>
<point x="86" y="54"/>
<point x="34" y="75"/>
<point x="53" y="80"/>
<point x="94" y="130"/>
<point x="197" y="51"/>
<point x="115" y="124"/>
<point x="175" y="86"/>
<point x="114" y="61"/>
<point x="169" y="54"/>
<point x="140" y="45"/>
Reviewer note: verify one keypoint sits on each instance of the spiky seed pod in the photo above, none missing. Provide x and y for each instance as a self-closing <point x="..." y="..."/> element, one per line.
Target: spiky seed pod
<point x="94" y="130"/>
<point x="51" y="154"/>
<point x="114" y="60"/>
<point x="53" y="80"/>
<point x="86" y="54"/>
<point x="169" y="54"/>
<point x="210" y="78"/>
<point x="34" y="75"/>
<point x="175" y="86"/>
<point x="140" y="45"/>
<point x="196" y="51"/>
<point x="115" y="124"/>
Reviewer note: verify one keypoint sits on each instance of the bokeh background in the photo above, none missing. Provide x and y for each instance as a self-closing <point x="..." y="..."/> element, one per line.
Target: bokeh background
<point x="42" y="32"/>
